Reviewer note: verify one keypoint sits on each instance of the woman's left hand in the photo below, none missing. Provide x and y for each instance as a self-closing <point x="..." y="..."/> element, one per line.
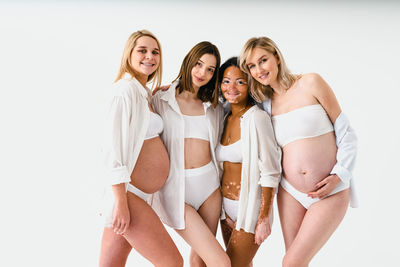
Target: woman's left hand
<point x="263" y="230"/>
<point x="325" y="187"/>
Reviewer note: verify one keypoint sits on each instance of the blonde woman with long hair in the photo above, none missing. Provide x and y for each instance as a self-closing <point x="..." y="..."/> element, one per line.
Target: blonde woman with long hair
<point x="318" y="149"/>
<point x="136" y="161"/>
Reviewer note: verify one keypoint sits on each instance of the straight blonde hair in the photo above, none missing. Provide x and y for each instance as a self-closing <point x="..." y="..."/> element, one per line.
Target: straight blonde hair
<point x="285" y="77"/>
<point x="126" y="67"/>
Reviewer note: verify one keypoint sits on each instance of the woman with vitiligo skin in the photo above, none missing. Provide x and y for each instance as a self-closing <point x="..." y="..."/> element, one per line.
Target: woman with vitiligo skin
<point x="251" y="164"/>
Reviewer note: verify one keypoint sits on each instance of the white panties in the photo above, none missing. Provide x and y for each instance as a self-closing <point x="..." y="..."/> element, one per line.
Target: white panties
<point x="136" y="191"/>
<point x="303" y="198"/>
<point x="200" y="183"/>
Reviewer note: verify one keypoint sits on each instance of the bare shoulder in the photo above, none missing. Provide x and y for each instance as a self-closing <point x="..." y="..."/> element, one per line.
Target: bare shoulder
<point x="314" y="83"/>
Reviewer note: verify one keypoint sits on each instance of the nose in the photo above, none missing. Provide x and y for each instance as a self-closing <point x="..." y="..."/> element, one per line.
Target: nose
<point x="202" y="71"/>
<point x="149" y="55"/>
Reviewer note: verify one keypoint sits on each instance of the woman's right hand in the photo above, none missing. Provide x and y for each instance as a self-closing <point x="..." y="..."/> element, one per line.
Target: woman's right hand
<point x="162" y="88"/>
<point x="121" y="217"/>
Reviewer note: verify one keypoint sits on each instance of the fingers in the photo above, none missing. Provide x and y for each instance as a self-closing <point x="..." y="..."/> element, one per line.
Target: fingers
<point x="230" y="223"/>
<point x="120" y="226"/>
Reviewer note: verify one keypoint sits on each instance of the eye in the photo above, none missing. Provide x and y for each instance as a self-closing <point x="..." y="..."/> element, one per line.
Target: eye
<point x="263" y="60"/>
<point x="240" y="82"/>
<point x="225" y="81"/>
<point x="142" y="51"/>
<point x="198" y="64"/>
<point x="155" y="52"/>
<point x="211" y="70"/>
<point x="251" y="66"/>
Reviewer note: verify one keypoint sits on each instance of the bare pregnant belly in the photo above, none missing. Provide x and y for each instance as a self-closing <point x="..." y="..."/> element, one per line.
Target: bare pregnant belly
<point x="307" y="161"/>
<point x="152" y="166"/>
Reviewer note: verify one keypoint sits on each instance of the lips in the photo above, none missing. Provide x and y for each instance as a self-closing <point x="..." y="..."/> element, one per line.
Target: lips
<point x="199" y="79"/>
<point x="263" y="76"/>
<point x="146" y="64"/>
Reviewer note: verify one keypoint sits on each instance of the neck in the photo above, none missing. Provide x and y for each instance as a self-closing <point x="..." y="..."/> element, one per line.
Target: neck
<point x="238" y="107"/>
<point x="142" y="79"/>
<point x="278" y="89"/>
<point x="189" y="95"/>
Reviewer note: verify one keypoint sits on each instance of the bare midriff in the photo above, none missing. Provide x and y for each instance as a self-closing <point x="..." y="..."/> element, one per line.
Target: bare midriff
<point x="197" y="153"/>
<point x="307" y="161"/>
<point x="152" y="166"/>
<point x="231" y="180"/>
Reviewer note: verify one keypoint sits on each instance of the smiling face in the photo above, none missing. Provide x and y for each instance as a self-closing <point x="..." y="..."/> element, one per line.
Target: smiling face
<point x="263" y="66"/>
<point x="145" y="56"/>
<point x="234" y="86"/>
<point x="203" y="70"/>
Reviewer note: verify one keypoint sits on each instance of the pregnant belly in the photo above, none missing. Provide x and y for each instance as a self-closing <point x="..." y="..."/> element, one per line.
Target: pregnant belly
<point x="307" y="161"/>
<point x="152" y="166"/>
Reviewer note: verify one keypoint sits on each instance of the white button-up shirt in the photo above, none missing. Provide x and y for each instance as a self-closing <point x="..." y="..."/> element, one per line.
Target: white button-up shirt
<point x="169" y="201"/>
<point x="127" y="121"/>
<point x="261" y="165"/>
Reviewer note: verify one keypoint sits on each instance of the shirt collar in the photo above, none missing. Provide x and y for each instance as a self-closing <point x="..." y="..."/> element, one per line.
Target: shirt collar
<point x="144" y="91"/>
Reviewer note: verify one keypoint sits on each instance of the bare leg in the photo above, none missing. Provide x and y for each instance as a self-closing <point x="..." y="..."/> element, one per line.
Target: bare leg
<point x="114" y="249"/>
<point x="317" y="225"/>
<point x="198" y="235"/>
<point x="241" y="248"/>
<point x="210" y="212"/>
<point x="147" y="235"/>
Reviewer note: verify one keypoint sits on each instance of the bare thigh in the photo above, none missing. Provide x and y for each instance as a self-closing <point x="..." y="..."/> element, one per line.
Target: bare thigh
<point x="210" y="212"/>
<point x="147" y="235"/>
<point x="114" y="249"/>
<point x="318" y="224"/>
<point x="199" y="236"/>
<point x="241" y="248"/>
<point x="291" y="214"/>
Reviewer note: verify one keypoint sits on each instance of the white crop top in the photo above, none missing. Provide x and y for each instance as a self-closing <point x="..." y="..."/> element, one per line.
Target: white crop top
<point x="305" y="122"/>
<point x="196" y="127"/>
<point x="156" y="126"/>
<point x="230" y="153"/>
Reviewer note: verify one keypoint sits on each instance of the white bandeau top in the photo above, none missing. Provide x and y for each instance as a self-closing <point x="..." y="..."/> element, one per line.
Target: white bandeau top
<point x="305" y="122"/>
<point x="196" y="127"/>
<point x="156" y="126"/>
<point x="230" y="153"/>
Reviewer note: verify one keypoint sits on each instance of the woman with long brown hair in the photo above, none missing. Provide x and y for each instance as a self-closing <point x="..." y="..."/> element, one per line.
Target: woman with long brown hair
<point x="190" y="201"/>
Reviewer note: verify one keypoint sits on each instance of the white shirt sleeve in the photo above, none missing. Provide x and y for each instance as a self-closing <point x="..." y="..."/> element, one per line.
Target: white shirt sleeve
<point x="117" y="139"/>
<point x="346" y="142"/>
<point x="269" y="151"/>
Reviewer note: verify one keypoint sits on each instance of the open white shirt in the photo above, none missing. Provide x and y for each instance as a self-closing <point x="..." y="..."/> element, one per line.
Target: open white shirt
<point x="169" y="201"/>
<point x="261" y="165"/>
<point x="126" y="125"/>
<point x="346" y="142"/>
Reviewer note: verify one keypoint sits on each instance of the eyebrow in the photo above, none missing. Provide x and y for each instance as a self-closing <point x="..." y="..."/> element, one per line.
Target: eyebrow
<point x="257" y="59"/>
<point x="146" y="47"/>
<point x="209" y="66"/>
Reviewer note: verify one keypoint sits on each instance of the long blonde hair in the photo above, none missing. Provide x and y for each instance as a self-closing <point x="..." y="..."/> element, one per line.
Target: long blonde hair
<point x="126" y="67"/>
<point x="285" y="77"/>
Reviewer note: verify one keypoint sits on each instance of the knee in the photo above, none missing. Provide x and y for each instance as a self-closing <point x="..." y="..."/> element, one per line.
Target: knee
<point x="293" y="261"/>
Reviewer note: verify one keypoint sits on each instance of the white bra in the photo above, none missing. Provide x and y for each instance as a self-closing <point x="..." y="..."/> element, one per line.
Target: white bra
<point x="196" y="127"/>
<point x="305" y="122"/>
<point x="230" y="153"/>
<point x="156" y="126"/>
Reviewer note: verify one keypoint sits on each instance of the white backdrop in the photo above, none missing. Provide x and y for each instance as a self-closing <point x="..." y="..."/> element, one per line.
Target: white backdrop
<point x="58" y="59"/>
